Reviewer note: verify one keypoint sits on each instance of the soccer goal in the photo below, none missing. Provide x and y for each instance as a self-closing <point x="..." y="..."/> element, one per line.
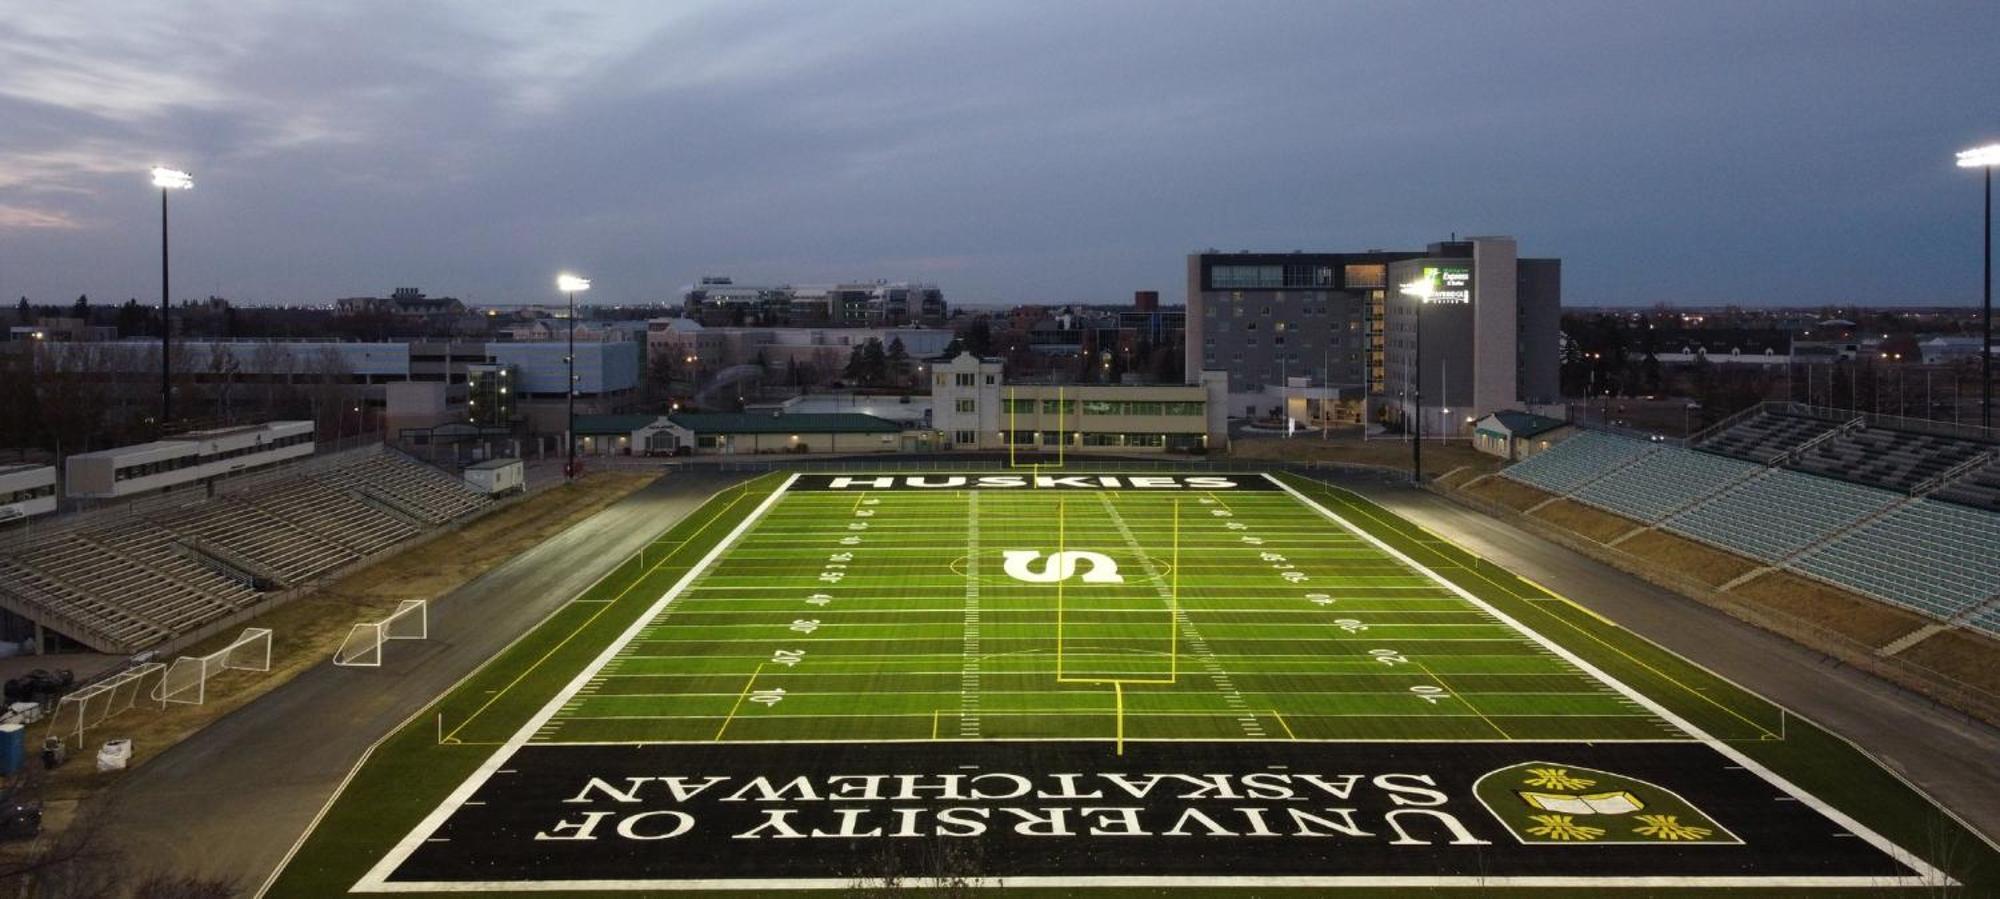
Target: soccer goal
<point x="186" y="681"/>
<point x="363" y="646"/>
<point x="85" y="708"/>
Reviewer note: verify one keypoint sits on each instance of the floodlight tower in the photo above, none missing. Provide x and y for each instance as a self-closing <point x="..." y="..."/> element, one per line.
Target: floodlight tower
<point x="571" y="285"/>
<point x="1985" y="158"/>
<point x="167" y="180"/>
<point x="1420" y="290"/>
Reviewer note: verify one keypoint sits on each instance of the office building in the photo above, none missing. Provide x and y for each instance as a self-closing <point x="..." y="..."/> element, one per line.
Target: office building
<point x="974" y="407"/>
<point x="1330" y="335"/>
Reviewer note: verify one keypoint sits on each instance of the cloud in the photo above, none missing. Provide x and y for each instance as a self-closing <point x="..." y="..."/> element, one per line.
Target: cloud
<point x="13" y="218"/>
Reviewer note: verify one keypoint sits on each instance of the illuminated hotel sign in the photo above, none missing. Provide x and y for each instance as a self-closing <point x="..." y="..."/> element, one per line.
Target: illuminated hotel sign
<point x="1449" y="285"/>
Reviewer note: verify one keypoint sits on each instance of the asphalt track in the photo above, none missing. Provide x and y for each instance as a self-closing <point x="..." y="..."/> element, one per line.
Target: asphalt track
<point x="231" y="800"/>
<point x="1947" y="755"/>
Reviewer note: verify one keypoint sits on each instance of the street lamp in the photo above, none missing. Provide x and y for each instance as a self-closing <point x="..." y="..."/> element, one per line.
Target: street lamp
<point x="1985" y="158"/>
<point x="571" y="285"/>
<point x="1420" y="290"/>
<point x="166" y="180"/>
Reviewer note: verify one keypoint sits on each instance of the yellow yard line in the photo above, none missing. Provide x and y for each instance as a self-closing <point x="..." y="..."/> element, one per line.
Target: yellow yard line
<point x="1455" y="694"/>
<point x="1119" y="688"/>
<point x="739" y="701"/>
<point x="1281" y="723"/>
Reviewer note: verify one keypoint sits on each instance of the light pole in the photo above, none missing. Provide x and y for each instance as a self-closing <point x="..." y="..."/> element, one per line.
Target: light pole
<point x="1419" y="290"/>
<point x="166" y="180"/>
<point x="1985" y="158"/>
<point x="571" y="285"/>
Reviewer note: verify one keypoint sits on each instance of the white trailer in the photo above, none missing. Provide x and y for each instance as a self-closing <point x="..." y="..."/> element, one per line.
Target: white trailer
<point x="496" y="476"/>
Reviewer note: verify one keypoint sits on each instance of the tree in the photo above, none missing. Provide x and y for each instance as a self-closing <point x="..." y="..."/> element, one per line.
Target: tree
<point x="134" y="320"/>
<point x="896" y="362"/>
<point x="24" y="313"/>
<point x="979" y="337"/>
<point x="81" y="308"/>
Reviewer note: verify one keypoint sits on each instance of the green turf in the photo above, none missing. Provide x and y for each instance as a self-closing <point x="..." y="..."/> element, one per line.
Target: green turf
<point x="922" y="636"/>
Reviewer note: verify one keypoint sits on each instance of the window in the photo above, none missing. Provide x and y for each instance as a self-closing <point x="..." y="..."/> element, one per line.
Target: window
<point x="967" y="406"/>
<point x="989" y="380"/>
<point x="965" y="437"/>
<point x="1027" y="406"/>
<point x="1062" y="407"/>
<point x="1367" y="275"/>
<point x="1223" y="277"/>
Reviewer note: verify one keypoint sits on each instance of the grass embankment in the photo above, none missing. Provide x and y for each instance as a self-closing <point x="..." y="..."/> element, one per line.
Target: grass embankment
<point x="1439" y="456"/>
<point x="1809" y="757"/>
<point x="410" y="772"/>
<point x="1596" y="524"/>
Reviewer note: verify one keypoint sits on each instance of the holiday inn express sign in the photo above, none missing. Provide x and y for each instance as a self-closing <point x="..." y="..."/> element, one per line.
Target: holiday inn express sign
<point x="1451" y="285"/>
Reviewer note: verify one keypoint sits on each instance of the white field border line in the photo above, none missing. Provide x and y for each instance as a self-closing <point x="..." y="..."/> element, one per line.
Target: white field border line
<point x="376" y="880"/>
<point x="368" y="753"/>
<point x="1926" y="874"/>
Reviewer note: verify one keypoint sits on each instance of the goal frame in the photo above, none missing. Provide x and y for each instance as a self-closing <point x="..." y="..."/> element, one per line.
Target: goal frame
<point x="366" y="641"/>
<point x="193" y="672"/>
<point x="119" y="693"/>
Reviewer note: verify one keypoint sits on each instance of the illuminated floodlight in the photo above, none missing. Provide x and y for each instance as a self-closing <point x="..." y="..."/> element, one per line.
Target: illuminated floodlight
<point x="175" y="179"/>
<point x="572" y="284"/>
<point x="1980" y="157"/>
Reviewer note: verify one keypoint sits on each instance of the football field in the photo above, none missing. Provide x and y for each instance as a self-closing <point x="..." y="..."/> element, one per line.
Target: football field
<point x="1115" y="680"/>
<point x="924" y="613"/>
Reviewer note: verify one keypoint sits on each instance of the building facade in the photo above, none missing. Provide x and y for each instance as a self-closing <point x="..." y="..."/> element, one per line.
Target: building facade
<point x="1267" y="317"/>
<point x="1341" y="322"/>
<point x="974" y="407"/>
<point x="1491" y="332"/>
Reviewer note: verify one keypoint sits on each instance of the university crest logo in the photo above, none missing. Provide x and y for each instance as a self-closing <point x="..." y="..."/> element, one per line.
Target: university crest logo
<point x="1061" y="566"/>
<point x="1554" y="804"/>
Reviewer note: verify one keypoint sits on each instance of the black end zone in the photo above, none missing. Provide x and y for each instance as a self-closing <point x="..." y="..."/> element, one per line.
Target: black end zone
<point x="639" y="816"/>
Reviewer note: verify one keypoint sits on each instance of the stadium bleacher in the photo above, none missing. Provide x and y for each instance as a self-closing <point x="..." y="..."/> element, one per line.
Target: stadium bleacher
<point x="1657" y="485"/>
<point x="1775" y="516"/>
<point x="1933" y="557"/>
<point x="1768" y="436"/>
<point x="144" y="578"/>
<point x="1577" y="461"/>
<point x="1979" y="488"/>
<point x="1898" y="460"/>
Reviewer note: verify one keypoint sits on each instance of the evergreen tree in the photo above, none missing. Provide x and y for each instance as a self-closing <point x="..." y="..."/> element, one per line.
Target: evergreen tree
<point x="81" y="309"/>
<point x="979" y="337"/>
<point x="896" y="361"/>
<point x="24" y="313"/>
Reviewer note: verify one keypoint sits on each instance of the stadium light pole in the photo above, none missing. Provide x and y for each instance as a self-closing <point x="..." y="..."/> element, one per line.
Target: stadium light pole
<point x="571" y="285"/>
<point x="1421" y="291"/>
<point x="1985" y="158"/>
<point x="167" y="180"/>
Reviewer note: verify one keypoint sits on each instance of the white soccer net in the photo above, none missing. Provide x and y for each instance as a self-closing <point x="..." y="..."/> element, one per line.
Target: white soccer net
<point x="83" y="709"/>
<point x="187" y="680"/>
<point x="363" y="646"/>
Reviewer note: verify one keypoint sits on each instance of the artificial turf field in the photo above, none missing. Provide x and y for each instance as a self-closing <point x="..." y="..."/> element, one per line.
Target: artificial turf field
<point x="1132" y="681"/>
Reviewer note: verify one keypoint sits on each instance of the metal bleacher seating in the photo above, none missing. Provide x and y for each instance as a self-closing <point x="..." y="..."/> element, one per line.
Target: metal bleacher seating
<point x="1898" y="460"/>
<point x="1654" y="486"/>
<point x="147" y="576"/>
<point x="1767" y="436"/>
<point x="1933" y="557"/>
<point x="411" y="487"/>
<point x="1979" y="488"/>
<point x="1576" y="461"/>
<point x="1778" y="514"/>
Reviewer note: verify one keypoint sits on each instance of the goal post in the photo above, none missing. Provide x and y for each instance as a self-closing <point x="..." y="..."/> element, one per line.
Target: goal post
<point x="186" y="681"/>
<point x="364" y="643"/>
<point x="80" y="710"/>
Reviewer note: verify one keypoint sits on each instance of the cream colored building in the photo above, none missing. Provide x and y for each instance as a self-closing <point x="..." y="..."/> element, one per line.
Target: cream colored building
<point x="974" y="408"/>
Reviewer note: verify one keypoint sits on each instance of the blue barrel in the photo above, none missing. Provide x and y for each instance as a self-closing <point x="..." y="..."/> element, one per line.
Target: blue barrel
<point x="13" y="748"/>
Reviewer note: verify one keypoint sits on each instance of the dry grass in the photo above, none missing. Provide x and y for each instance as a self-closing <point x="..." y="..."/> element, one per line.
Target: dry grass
<point x="1588" y="521"/>
<point x="1688" y="558"/>
<point x="1439" y="457"/>
<point x="306" y="631"/>
<point x="1963" y="655"/>
<point x="1870" y="622"/>
<point x="1512" y="494"/>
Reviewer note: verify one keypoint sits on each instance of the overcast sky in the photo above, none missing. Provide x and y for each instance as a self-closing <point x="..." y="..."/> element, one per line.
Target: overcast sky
<point x="1667" y="151"/>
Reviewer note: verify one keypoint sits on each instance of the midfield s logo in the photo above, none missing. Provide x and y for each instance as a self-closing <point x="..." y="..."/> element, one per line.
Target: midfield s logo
<point x="1061" y="566"/>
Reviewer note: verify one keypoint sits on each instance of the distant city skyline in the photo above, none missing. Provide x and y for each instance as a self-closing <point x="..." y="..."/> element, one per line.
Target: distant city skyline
<point x="1785" y="153"/>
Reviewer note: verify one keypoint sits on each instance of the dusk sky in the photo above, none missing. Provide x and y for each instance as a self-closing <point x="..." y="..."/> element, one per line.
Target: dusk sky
<point x="1692" y="152"/>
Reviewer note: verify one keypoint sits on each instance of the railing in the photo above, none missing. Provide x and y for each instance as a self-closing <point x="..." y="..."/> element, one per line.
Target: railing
<point x="1950" y="474"/>
<point x="1795" y="453"/>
